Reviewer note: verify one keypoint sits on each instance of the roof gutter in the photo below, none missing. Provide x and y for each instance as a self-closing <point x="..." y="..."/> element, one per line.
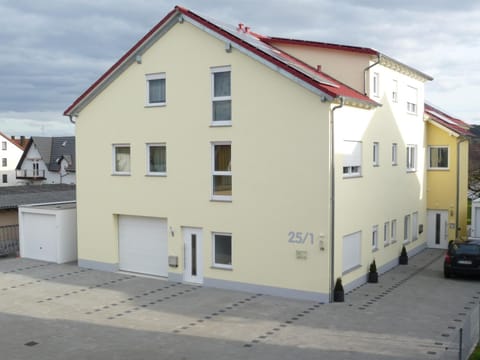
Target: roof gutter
<point x="332" y="195"/>
<point x="365" y="73"/>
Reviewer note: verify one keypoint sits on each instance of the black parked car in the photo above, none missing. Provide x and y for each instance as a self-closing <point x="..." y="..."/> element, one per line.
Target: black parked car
<point x="462" y="258"/>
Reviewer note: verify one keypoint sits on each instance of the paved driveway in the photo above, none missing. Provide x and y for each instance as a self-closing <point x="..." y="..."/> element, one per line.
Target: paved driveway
<point x="50" y="311"/>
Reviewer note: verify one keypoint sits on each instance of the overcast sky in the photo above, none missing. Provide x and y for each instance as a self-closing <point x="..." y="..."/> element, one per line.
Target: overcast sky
<point x="51" y="51"/>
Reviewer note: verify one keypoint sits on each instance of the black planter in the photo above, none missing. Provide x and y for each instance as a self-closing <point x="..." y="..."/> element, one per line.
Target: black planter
<point x="338" y="296"/>
<point x="403" y="260"/>
<point x="338" y="293"/>
<point x="373" y="277"/>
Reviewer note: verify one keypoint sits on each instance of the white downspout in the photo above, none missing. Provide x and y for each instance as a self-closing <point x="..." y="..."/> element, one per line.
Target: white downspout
<point x="332" y="197"/>
<point x="457" y="204"/>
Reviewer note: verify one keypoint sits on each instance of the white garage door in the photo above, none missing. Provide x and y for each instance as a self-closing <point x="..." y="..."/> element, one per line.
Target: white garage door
<point x="143" y="246"/>
<point x="38" y="237"/>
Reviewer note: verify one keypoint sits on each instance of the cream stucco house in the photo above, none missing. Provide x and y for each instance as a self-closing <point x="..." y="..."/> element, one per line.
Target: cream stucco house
<point x="210" y="154"/>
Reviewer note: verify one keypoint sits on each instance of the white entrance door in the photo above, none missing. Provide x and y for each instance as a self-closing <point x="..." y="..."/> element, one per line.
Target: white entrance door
<point x="192" y="238"/>
<point x="437" y="230"/>
<point x="143" y="245"/>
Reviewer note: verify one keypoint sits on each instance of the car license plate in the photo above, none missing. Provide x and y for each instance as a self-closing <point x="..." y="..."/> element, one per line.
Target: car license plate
<point x="465" y="262"/>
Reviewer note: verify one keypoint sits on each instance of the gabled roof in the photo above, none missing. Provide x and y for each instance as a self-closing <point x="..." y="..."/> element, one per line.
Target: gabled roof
<point x="11" y="141"/>
<point x="52" y="149"/>
<point x="240" y="38"/>
<point x="384" y="59"/>
<point x="441" y="118"/>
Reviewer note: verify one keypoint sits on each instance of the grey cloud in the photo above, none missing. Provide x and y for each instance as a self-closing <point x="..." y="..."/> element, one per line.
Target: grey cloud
<point x="52" y="52"/>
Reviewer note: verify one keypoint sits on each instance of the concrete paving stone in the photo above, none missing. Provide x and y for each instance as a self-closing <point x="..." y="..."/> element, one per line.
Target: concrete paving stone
<point x="412" y="313"/>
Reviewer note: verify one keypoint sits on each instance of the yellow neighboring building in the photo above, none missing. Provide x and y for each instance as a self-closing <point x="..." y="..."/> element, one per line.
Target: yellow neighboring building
<point x="447" y="177"/>
<point x="211" y="154"/>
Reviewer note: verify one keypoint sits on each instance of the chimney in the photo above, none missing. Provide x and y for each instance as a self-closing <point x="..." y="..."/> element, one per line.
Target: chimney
<point x="22" y="140"/>
<point x="319" y="68"/>
<point x="13" y="137"/>
<point x="240" y="27"/>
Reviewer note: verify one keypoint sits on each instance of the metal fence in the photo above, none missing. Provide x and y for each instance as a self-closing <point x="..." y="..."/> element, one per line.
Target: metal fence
<point x="9" y="244"/>
<point x="466" y="337"/>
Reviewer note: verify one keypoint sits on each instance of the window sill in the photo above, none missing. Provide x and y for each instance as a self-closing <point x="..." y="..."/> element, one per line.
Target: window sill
<point x="375" y="249"/>
<point x="221" y="198"/>
<point x="121" y="174"/>
<point x="353" y="176"/>
<point x="411" y="171"/>
<point x="438" y="169"/>
<point x="221" y="124"/>
<point x="222" y="267"/>
<point x="385" y="245"/>
<point x="156" y="175"/>
<point x="155" y="105"/>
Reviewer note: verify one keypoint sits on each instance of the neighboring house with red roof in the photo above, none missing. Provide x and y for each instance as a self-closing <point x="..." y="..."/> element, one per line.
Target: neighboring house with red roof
<point x="211" y="154"/>
<point x="10" y="153"/>
<point x="447" y="177"/>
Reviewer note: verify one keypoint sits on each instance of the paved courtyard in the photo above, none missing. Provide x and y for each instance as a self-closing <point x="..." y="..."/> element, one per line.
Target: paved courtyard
<point x="50" y="311"/>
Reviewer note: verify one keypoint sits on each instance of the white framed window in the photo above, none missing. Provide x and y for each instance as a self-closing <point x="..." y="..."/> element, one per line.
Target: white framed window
<point x="376" y="84"/>
<point x="4" y="178"/>
<point x="376" y="154"/>
<point x="394" y="154"/>
<point x="393" y="230"/>
<point x="157" y="159"/>
<point x="221" y="96"/>
<point x="386" y="232"/>
<point x="352" y="158"/>
<point x="156" y="89"/>
<point x="411" y="158"/>
<point x="4" y="145"/>
<point x="222" y="250"/>
<point x="438" y="157"/>
<point x="121" y="159"/>
<point x="352" y="251"/>
<point x="222" y="171"/>
<point x="4" y="162"/>
<point x="412" y="96"/>
<point x="406" y="228"/>
<point x="415" y="226"/>
<point x="375" y="237"/>
<point x="395" y="91"/>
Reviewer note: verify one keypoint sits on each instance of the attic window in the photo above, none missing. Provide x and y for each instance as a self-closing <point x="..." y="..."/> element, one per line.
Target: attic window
<point x="221" y="96"/>
<point x="156" y="89"/>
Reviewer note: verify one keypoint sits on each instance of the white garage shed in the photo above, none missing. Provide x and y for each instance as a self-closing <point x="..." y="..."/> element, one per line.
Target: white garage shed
<point x="48" y="232"/>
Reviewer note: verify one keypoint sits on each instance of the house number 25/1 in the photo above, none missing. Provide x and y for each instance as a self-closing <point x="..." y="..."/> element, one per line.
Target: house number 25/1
<point x="299" y="237"/>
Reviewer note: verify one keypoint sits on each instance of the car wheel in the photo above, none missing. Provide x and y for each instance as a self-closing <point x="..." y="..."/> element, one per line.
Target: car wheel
<point x="447" y="274"/>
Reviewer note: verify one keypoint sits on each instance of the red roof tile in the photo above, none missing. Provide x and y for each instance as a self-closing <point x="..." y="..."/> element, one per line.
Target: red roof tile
<point x="456" y="125"/>
<point x="252" y="42"/>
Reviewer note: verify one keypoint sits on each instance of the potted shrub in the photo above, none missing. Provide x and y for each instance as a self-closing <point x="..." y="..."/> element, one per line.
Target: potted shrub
<point x="373" y="274"/>
<point x="403" y="259"/>
<point x="338" y="293"/>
